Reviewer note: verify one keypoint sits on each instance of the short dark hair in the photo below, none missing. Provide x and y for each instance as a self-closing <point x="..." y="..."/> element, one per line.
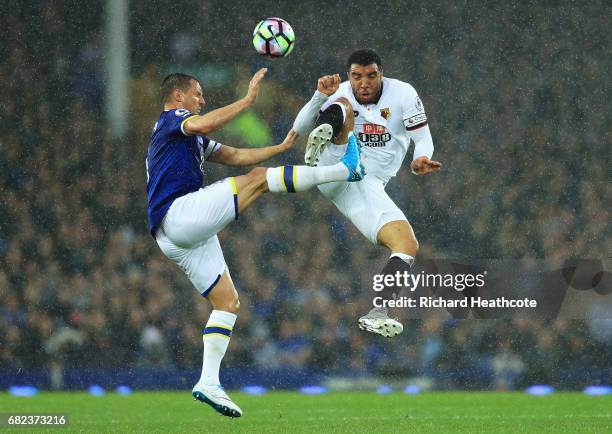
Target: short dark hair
<point x="175" y="81"/>
<point x="363" y="57"/>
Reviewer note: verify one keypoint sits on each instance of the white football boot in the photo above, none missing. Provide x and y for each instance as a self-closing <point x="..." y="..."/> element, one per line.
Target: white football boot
<point x="216" y="397"/>
<point x="317" y="139"/>
<point x="377" y="321"/>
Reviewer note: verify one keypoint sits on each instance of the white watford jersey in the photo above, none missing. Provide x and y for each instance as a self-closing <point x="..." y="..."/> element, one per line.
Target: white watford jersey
<point x="385" y="128"/>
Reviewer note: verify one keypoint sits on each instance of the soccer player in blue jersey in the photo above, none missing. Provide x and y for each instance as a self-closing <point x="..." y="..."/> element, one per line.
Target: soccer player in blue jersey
<point x="185" y="216"/>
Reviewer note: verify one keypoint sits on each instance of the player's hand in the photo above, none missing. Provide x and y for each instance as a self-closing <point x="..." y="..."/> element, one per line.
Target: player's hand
<point x="423" y="166"/>
<point x="289" y="140"/>
<point x="253" y="91"/>
<point x="328" y="84"/>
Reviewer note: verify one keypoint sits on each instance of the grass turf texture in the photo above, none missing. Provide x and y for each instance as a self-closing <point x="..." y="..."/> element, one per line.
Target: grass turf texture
<point x="352" y="412"/>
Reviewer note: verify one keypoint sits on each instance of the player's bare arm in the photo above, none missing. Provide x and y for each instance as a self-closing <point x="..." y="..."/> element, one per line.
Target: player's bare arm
<point x="230" y="156"/>
<point x="423" y="165"/>
<point x="217" y="119"/>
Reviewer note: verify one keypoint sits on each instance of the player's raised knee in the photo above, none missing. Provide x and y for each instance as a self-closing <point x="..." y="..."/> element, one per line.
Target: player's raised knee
<point x="340" y="116"/>
<point x="348" y="121"/>
<point x="349" y="113"/>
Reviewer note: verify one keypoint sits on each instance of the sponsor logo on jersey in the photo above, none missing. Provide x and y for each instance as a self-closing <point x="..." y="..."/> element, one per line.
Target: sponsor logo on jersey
<point x="385" y="112"/>
<point x="374" y="136"/>
<point x="373" y="129"/>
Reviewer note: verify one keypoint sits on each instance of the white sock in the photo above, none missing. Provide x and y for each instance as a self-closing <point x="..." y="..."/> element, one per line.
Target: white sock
<point x="216" y="336"/>
<point x="404" y="257"/>
<point x="301" y="178"/>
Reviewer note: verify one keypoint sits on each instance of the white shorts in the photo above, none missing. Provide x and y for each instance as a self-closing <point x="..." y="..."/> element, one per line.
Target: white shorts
<point x="188" y="233"/>
<point x="365" y="203"/>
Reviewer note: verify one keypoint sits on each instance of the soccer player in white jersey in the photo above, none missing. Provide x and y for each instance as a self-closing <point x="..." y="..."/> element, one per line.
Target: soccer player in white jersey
<point x="185" y="216"/>
<point x="387" y="114"/>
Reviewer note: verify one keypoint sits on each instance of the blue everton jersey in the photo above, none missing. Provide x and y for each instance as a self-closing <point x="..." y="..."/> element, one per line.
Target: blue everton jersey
<point x="175" y="163"/>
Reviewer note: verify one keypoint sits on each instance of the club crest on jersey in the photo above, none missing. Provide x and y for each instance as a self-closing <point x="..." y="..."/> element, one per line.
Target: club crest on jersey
<point x="385" y="112"/>
<point x="182" y="113"/>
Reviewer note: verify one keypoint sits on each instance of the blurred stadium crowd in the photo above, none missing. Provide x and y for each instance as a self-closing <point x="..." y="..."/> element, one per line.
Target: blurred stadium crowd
<point x="519" y="108"/>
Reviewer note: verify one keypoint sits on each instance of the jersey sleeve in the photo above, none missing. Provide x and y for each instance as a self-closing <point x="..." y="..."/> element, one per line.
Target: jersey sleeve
<point x="209" y="147"/>
<point x="305" y="120"/>
<point x="176" y="120"/>
<point x="415" y="121"/>
<point x="413" y="112"/>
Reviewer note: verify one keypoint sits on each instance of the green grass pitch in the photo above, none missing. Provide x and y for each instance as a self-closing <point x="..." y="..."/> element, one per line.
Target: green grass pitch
<point x="347" y="412"/>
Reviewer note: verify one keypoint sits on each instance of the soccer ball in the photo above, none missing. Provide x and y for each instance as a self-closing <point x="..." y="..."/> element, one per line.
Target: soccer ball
<point x="273" y="37"/>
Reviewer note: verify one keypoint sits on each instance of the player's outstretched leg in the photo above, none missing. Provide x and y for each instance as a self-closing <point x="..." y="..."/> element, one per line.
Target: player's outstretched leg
<point x="216" y="336"/>
<point x="292" y="179"/>
<point x="399" y="238"/>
